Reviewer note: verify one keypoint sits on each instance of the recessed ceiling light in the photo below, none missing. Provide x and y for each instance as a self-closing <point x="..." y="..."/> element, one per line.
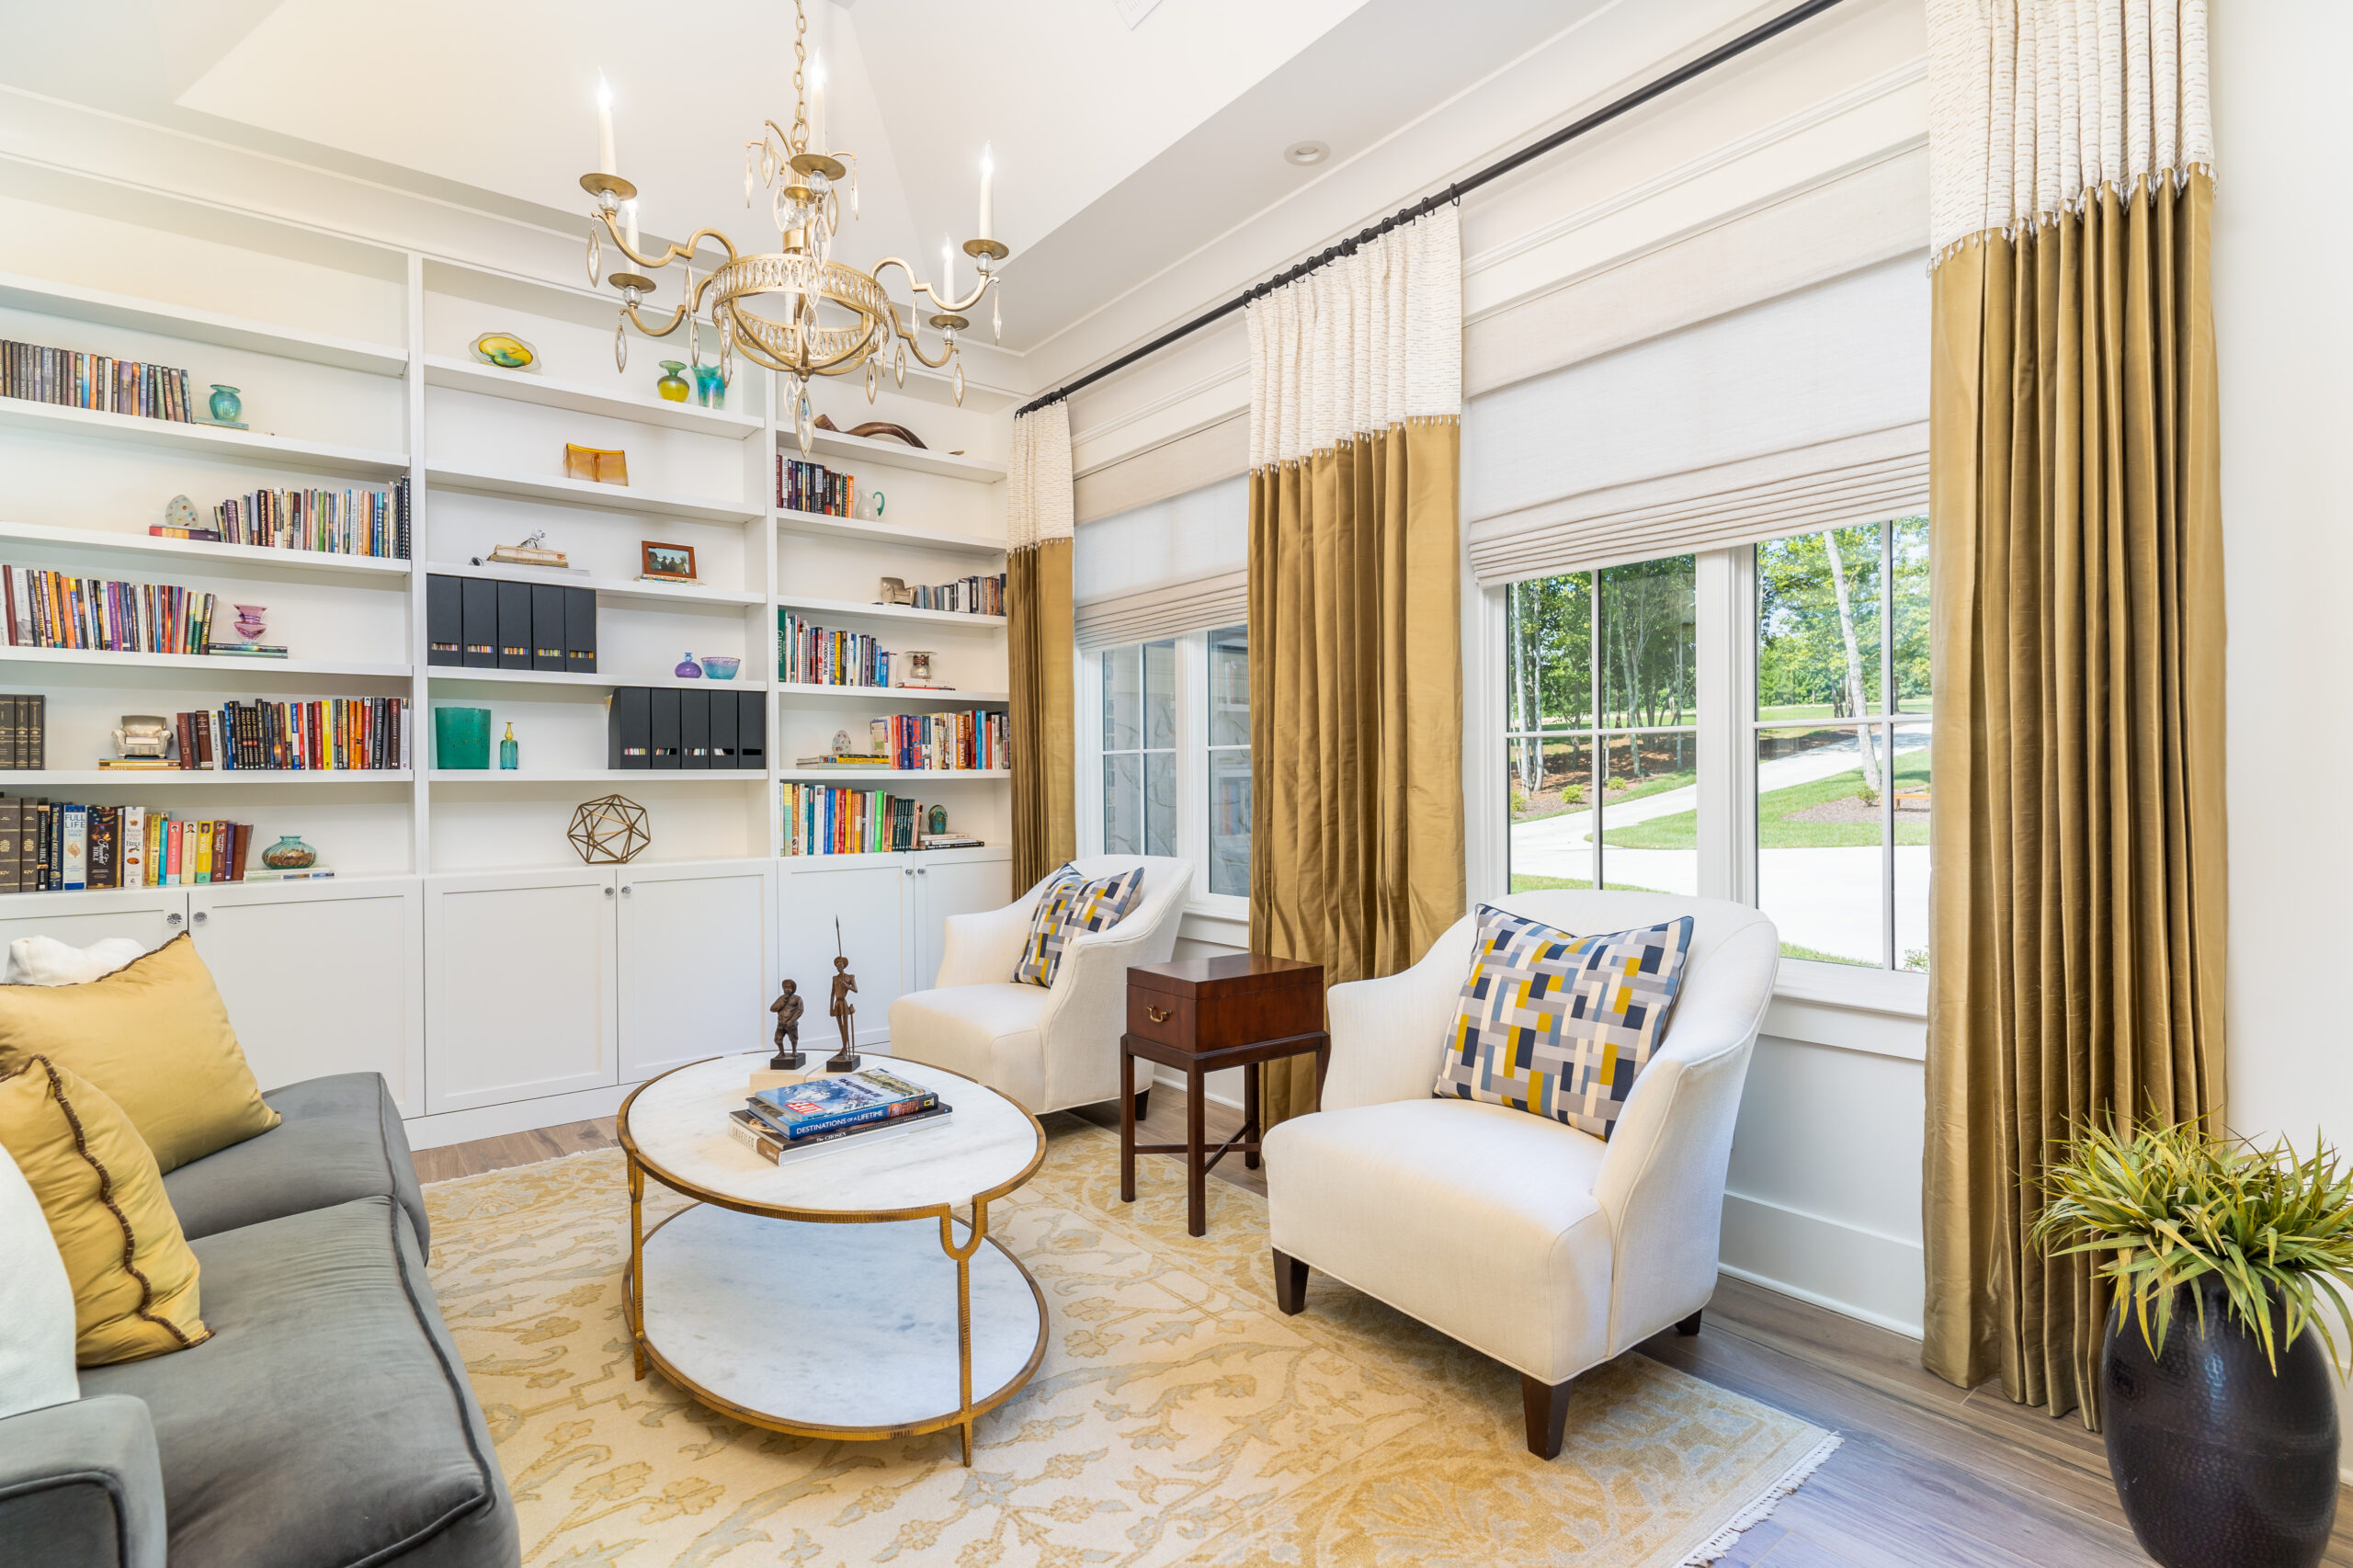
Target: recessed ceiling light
<point x="1306" y="152"/>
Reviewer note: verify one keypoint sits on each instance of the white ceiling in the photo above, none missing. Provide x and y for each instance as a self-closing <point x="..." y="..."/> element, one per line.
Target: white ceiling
<point x="1121" y="149"/>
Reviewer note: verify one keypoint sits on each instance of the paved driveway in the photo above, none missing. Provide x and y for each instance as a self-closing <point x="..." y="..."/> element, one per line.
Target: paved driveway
<point x="1826" y="900"/>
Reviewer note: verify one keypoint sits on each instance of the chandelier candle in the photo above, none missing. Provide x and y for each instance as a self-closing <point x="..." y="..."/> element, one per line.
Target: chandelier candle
<point x="987" y="230"/>
<point x="604" y="161"/>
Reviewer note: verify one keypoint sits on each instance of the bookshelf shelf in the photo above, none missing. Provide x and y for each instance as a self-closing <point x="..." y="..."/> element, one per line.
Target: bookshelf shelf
<point x="221" y="671"/>
<point x="583" y="493"/>
<point x="895" y="694"/>
<point x="814" y="525"/>
<point x="623" y="590"/>
<point x="196" y="555"/>
<point x="893" y="454"/>
<point x="173" y="778"/>
<point x="898" y="775"/>
<point x="889" y="612"/>
<point x="521" y="386"/>
<point x="600" y="776"/>
<point x="205" y="440"/>
<point x="459" y="674"/>
<point x="45" y="298"/>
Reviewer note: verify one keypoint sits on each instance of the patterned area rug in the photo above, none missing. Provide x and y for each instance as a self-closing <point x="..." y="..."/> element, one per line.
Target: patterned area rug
<point x="1177" y="1418"/>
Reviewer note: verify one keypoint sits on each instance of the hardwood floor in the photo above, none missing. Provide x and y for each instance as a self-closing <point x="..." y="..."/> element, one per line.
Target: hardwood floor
<point x="1929" y="1476"/>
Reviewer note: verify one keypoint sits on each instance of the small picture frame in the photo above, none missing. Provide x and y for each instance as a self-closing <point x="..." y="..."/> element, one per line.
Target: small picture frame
<point x="668" y="562"/>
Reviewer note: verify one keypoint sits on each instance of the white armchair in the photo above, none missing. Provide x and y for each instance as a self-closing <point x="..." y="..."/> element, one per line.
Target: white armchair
<point x="1543" y="1247"/>
<point x="1049" y="1048"/>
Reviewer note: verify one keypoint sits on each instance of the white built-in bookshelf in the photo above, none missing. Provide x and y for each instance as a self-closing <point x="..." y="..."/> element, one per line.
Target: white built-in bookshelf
<point x="81" y="488"/>
<point x="352" y="359"/>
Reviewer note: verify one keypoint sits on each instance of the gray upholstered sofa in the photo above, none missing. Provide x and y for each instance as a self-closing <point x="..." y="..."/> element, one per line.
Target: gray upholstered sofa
<point x="327" y="1422"/>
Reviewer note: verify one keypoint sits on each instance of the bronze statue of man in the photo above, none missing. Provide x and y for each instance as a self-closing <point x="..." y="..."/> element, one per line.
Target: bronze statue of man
<point x="788" y="1008"/>
<point x="843" y="1010"/>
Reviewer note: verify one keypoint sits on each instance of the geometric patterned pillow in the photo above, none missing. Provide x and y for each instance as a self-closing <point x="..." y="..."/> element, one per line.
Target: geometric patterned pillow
<point x="1560" y="1024"/>
<point x="1069" y="905"/>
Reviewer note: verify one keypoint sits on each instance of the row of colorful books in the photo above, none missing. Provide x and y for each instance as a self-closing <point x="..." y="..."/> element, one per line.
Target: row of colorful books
<point x="807" y="655"/>
<point x="50" y="610"/>
<point x="781" y="1124"/>
<point x="825" y="819"/>
<point x="325" y="735"/>
<point x="71" y="378"/>
<point x="813" y="487"/>
<point x="57" y="847"/>
<point x="952" y="741"/>
<point x="334" y="522"/>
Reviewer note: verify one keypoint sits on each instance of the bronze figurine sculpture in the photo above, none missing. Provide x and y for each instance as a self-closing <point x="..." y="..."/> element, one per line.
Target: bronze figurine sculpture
<point x="787" y="1008"/>
<point x="845" y="1059"/>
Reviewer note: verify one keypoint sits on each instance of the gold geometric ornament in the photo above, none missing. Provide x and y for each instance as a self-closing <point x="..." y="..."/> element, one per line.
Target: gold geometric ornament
<point x="610" y="830"/>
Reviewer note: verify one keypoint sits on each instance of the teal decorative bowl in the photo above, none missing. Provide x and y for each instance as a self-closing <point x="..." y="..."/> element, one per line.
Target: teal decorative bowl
<point x="718" y="667"/>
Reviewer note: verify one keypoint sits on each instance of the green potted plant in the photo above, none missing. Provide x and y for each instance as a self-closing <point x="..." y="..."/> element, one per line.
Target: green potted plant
<point x="2228" y="1263"/>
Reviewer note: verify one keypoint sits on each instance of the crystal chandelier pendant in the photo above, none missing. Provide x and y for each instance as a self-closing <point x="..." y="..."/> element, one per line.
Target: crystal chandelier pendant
<point x="996" y="315"/>
<point x="899" y="364"/>
<point x="873" y="380"/>
<point x="595" y="258"/>
<point x="805" y="420"/>
<point x="959" y="382"/>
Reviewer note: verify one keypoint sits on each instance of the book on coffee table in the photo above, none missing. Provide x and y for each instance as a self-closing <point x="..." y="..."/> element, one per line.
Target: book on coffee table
<point x="800" y="1110"/>
<point x="756" y="1135"/>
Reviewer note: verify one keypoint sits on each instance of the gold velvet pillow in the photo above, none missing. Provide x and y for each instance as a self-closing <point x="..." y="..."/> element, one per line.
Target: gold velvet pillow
<point x="133" y="1272"/>
<point x="154" y="1039"/>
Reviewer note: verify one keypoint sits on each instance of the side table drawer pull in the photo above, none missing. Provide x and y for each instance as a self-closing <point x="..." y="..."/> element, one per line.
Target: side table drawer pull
<point x="1156" y="1015"/>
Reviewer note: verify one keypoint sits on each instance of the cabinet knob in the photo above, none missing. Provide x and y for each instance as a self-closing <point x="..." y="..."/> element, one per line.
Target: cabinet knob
<point x="608" y="892"/>
<point x="625" y="890"/>
<point x="200" y="917"/>
<point x="171" y="919"/>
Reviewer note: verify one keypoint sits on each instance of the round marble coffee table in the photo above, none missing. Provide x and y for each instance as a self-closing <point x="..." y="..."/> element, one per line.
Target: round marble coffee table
<point x="837" y="1295"/>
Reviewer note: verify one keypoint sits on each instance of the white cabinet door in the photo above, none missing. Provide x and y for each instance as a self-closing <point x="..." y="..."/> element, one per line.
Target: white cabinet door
<point x="697" y="954"/>
<point x="149" y="916"/>
<point x="951" y="887"/>
<point x="869" y="895"/>
<point x="321" y="977"/>
<point x="519" y="985"/>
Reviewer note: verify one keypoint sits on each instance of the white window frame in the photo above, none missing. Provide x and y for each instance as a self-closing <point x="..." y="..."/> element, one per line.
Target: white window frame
<point x="1192" y="766"/>
<point x="1726" y="595"/>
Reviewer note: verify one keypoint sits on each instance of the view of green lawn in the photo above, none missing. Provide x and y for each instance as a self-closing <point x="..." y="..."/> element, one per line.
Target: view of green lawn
<point x="1575" y="884"/>
<point x="1778" y="826"/>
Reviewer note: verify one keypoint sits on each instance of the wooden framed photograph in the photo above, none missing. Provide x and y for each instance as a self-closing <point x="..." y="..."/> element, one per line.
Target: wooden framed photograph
<point x="669" y="563"/>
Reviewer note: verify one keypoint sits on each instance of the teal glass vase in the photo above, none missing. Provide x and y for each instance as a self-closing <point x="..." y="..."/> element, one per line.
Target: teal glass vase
<point x="227" y="405"/>
<point x="289" y="854"/>
<point x="711" y="387"/>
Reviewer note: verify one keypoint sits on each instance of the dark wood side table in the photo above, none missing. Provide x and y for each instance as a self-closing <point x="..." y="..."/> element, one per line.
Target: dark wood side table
<point x="1236" y="1010"/>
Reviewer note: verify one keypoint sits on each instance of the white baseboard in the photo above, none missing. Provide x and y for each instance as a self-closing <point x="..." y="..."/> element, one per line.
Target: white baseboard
<point x="1876" y="1279"/>
<point x="514" y="1116"/>
<point x="1175" y="1080"/>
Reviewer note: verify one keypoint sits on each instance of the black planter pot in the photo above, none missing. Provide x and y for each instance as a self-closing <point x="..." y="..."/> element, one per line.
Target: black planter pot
<point x="2218" y="1462"/>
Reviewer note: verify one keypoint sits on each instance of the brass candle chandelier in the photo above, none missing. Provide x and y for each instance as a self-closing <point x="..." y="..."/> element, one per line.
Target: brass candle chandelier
<point x="795" y="309"/>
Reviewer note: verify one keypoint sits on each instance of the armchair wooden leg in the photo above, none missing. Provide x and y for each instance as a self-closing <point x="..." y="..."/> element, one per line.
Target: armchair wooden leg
<point x="1690" y="1325"/>
<point x="1291" y="1283"/>
<point x="1547" y="1408"/>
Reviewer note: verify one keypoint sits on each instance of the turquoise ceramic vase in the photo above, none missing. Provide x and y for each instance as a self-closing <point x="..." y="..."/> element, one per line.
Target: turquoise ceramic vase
<point x="711" y="387"/>
<point x="226" y="404"/>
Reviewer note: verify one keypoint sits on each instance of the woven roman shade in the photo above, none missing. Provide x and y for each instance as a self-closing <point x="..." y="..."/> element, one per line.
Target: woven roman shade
<point x="1170" y="566"/>
<point x="1802" y="411"/>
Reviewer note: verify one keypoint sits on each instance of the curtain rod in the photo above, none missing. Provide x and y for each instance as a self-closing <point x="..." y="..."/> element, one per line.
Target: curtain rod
<point x="1454" y="192"/>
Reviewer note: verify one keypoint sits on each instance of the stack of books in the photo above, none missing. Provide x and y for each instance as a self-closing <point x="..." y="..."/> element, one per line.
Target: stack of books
<point x="825" y="819"/>
<point x="50" y="610"/>
<point x="55" y="847"/>
<point x="807" y="655"/>
<point x="782" y="1124"/>
<point x="813" y="487"/>
<point x="337" y="522"/>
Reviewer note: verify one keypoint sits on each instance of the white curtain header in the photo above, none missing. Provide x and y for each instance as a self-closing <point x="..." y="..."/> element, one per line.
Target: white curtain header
<point x="1363" y="344"/>
<point x="1038" y="500"/>
<point x="2034" y="102"/>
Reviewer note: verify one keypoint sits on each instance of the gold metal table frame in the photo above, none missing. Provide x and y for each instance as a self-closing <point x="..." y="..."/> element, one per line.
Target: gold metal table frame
<point x="968" y="1410"/>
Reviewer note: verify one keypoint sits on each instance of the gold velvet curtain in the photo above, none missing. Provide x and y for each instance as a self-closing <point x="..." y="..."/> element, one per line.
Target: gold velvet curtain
<point x="1356" y="571"/>
<point x="1040" y="665"/>
<point x="2079" y="907"/>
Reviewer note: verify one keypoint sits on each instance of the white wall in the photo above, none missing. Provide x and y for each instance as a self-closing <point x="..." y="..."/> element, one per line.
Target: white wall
<point x="2284" y="322"/>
